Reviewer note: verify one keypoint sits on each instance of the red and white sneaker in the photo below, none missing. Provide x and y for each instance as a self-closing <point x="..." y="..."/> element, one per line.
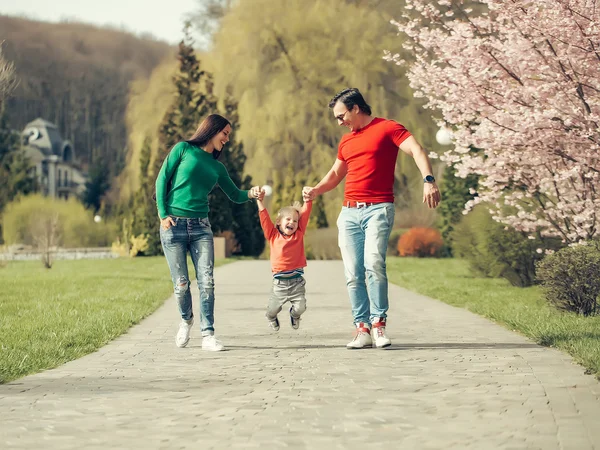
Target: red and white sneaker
<point x="362" y="338"/>
<point x="379" y="338"/>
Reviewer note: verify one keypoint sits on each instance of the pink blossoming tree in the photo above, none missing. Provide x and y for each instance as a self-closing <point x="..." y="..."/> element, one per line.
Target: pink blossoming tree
<point x="521" y="82"/>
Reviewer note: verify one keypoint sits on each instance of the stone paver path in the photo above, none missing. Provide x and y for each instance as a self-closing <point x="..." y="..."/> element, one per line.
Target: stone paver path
<point x="451" y="380"/>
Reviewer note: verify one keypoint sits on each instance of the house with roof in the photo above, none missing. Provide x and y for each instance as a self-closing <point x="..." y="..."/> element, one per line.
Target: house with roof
<point x="53" y="160"/>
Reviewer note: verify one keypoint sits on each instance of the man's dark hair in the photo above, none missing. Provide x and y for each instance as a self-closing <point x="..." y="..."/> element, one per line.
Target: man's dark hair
<point x="351" y="97"/>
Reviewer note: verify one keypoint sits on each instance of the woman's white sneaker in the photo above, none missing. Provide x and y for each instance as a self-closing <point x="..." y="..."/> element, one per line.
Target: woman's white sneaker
<point x="212" y="344"/>
<point x="183" y="335"/>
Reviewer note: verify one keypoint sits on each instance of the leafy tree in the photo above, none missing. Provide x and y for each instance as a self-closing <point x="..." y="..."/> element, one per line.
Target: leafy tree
<point x="519" y="82"/>
<point x="308" y="50"/>
<point x="7" y="78"/>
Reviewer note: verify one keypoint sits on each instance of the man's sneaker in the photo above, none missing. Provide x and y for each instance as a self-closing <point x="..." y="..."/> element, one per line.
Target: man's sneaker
<point x="295" y="321"/>
<point x="183" y="335"/>
<point x="212" y="344"/>
<point x="362" y="338"/>
<point x="274" y="323"/>
<point x="380" y="340"/>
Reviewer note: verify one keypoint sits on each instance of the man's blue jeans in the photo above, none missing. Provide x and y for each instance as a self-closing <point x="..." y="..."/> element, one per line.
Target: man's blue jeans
<point x="363" y="239"/>
<point x="195" y="236"/>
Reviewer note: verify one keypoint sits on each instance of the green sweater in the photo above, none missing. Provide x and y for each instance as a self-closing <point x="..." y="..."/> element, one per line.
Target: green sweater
<point x="192" y="174"/>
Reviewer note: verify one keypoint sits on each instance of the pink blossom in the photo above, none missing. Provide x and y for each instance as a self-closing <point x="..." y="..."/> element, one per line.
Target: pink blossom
<point x="522" y="83"/>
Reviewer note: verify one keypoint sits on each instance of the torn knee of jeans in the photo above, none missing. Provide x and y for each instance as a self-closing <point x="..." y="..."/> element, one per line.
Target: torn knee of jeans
<point x="182" y="285"/>
<point x="207" y="279"/>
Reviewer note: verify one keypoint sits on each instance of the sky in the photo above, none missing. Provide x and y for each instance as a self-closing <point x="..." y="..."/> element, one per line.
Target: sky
<point x="164" y="19"/>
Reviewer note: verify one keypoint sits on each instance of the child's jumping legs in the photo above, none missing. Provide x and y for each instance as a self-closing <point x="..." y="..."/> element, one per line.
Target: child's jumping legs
<point x="282" y="291"/>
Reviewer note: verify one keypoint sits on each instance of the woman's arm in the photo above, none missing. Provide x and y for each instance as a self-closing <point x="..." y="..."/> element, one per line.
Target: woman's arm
<point x="231" y="190"/>
<point x="165" y="174"/>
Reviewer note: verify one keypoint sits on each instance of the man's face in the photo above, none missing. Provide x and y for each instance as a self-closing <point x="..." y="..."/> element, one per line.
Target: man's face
<point x="345" y="117"/>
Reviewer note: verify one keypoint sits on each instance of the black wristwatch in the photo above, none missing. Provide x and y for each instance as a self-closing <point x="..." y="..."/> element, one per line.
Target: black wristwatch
<point x="429" y="179"/>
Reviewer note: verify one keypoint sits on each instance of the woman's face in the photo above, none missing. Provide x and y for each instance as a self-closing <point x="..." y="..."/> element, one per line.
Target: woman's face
<point x="221" y="138"/>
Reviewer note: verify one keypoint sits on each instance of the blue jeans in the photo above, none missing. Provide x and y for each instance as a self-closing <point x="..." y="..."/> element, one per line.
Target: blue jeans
<point x="363" y="239"/>
<point x="195" y="236"/>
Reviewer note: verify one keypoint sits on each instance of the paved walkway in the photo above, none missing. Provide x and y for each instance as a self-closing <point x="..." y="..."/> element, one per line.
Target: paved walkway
<point x="451" y="380"/>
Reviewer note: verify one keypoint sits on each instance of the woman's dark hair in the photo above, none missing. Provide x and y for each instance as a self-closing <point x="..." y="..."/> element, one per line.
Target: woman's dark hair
<point x="351" y="97"/>
<point x="208" y="129"/>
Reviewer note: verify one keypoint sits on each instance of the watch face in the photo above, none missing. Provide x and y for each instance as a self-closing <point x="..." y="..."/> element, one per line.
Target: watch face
<point x="429" y="179"/>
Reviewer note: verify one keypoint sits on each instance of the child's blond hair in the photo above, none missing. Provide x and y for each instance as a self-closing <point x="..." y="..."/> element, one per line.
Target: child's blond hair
<point x="296" y="206"/>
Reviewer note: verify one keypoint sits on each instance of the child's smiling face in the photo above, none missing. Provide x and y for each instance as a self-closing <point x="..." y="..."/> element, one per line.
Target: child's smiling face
<point x="288" y="223"/>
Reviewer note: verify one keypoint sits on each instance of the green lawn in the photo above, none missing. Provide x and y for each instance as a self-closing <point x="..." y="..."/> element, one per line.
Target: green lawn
<point x="49" y="317"/>
<point x="521" y="309"/>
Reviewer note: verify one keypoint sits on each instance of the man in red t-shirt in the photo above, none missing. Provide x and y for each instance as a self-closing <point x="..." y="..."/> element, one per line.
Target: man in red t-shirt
<point x="367" y="159"/>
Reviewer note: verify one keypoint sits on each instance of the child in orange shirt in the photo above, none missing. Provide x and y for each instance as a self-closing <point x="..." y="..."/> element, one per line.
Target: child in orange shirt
<point x="286" y="239"/>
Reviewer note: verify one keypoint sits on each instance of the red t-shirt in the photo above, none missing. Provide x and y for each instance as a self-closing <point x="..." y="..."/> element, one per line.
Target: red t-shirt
<point x="370" y="155"/>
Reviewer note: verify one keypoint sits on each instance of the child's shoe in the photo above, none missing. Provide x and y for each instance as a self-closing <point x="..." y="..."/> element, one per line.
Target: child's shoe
<point x="295" y="321"/>
<point x="274" y="323"/>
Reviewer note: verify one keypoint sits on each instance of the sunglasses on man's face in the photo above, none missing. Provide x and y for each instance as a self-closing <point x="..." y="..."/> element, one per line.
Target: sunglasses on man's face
<point x="342" y="117"/>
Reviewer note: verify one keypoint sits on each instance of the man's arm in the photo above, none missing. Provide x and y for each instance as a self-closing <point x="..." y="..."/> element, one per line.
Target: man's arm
<point x="334" y="177"/>
<point x="431" y="193"/>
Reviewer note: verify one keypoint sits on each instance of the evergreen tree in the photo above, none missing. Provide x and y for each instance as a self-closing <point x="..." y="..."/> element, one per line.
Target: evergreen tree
<point x="455" y="193"/>
<point x="242" y="219"/>
<point x="97" y="186"/>
<point x="15" y="168"/>
<point x="194" y="100"/>
<point x="145" y="217"/>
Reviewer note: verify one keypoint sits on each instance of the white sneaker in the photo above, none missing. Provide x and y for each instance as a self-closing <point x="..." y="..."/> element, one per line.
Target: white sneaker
<point x="294" y="321"/>
<point x="362" y="338"/>
<point x="183" y="335"/>
<point x="212" y="344"/>
<point x="380" y="339"/>
<point x="274" y="323"/>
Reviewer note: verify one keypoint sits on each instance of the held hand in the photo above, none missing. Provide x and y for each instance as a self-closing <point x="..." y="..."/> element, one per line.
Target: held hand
<point x="167" y="223"/>
<point x="431" y="195"/>
<point x="308" y="193"/>
<point x="254" y="192"/>
<point x="261" y="195"/>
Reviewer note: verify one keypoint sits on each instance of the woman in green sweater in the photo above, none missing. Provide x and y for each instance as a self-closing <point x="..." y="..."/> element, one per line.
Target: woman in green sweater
<point x="189" y="172"/>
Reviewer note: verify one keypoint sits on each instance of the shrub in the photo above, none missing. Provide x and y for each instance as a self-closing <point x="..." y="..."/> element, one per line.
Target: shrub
<point x="420" y="242"/>
<point x="139" y="244"/>
<point x="493" y="250"/>
<point x="75" y="225"/>
<point x="392" y="249"/>
<point x="571" y="278"/>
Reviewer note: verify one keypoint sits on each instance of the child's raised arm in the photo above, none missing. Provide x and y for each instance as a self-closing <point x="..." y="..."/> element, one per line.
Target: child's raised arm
<point x="305" y="213"/>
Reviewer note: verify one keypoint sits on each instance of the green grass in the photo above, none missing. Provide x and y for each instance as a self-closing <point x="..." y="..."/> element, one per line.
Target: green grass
<point x="49" y="317"/>
<point x="521" y="309"/>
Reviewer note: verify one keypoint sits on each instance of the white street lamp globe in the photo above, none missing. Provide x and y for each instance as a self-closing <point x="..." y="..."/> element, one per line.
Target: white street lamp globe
<point x="268" y="189"/>
<point x="97" y="219"/>
<point x="443" y="136"/>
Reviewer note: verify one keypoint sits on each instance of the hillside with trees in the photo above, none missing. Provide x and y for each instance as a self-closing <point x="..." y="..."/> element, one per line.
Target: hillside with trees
<point x="78" y="76"/>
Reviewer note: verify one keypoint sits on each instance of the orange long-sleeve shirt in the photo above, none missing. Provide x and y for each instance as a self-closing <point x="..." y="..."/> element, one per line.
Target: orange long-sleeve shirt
<point x="287" y="252"/>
